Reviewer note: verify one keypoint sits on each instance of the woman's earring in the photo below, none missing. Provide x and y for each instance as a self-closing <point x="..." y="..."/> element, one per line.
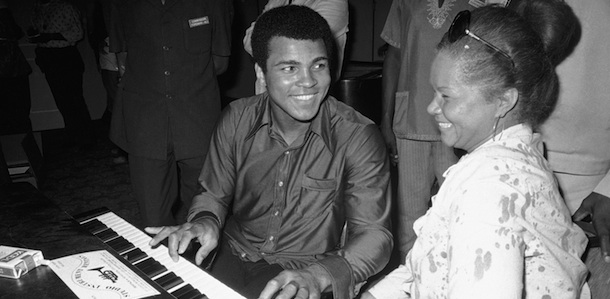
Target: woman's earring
<point x="495" y="127"/>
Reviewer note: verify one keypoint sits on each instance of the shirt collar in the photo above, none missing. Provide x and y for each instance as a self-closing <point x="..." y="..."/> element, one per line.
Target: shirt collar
<point x="320" y="125"/>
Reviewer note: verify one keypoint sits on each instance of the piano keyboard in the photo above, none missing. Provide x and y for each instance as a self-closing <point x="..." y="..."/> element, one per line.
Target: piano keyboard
<point x="182" y="279"/>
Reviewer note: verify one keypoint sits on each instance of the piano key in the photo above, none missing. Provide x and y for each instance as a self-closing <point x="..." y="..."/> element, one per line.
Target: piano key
<point x="183" y="290"/>
<point x="107" y="235"/>
<point x="155" y="269"/>
<point x="193" y="294"/>
<point x="186" y="273"/>
<point x="190" y="274"/>
<point x="134" y="255"/>
<point x="120" y="245"/>
<point x="95" y="226"/>
<point x="145" y="263"/>
<point x="169" y="280"/>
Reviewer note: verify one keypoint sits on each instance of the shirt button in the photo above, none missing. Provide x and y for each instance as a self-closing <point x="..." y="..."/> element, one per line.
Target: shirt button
<point x="243" y="255"/>
<point x="167" y="73"/>
<point x="280" y="184"/>
<point x="286" y="153"/>
<point x="168" y="96"/>
<point x="276" y="213"/>
<point x="262" y="253"/>
<point x="165" y="48"/>
<point x="271" y="238"/>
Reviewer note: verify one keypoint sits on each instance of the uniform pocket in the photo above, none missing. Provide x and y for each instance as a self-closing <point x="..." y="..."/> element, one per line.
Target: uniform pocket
<point x="198" y="34"/>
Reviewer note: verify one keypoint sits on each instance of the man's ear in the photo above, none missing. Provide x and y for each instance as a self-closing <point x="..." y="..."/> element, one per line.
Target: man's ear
<point x="507" y="102"/>
<point x="260" y="75"/>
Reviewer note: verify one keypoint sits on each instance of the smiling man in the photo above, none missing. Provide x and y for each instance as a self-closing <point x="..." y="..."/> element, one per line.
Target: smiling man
<point x="287" y="171"/>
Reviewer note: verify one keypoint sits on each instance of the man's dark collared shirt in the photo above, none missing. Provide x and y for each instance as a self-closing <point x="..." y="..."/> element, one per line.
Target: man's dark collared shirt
<point x="290" y="202"/>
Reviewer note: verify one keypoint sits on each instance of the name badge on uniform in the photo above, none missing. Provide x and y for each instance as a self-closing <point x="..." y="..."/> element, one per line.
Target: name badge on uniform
<point x="199" y="21"/>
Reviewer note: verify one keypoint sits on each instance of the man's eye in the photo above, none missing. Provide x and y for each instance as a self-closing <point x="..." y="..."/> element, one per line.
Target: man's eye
<point x="320" y="66"/>
<point x="288" y="69"/>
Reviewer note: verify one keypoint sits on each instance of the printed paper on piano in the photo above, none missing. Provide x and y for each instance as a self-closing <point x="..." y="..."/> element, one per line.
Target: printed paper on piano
<point x="98" y="274"/>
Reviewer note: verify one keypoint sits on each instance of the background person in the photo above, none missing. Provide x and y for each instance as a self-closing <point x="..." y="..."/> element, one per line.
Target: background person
<point x="171" y="52"/>
<point x="498" y="227"/>
<point x="57" y="27"/>
<point x="411" y="30"/>
<point x="293" y="166"/>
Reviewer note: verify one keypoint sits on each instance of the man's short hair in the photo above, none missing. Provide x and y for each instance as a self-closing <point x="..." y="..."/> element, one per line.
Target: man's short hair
<point x="290" y="21"/>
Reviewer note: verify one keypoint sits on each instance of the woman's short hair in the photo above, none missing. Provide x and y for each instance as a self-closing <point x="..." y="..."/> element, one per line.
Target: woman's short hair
<point x="533" y="46"/>
<point x="290" y="21"/>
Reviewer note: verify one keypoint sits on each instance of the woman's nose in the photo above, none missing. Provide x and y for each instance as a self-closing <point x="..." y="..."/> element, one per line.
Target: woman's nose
<point x="433" y="107"/>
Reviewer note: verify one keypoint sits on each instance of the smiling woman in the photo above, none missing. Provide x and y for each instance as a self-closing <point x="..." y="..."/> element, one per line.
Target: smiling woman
<point x="498" y="222"/>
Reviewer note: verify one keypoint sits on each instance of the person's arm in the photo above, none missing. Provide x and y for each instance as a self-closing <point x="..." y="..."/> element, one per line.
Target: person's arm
<point x="221" y="64"/>
<point x="221" y="39"/>
<point x="392" y="35"/>
<point x="117" y="42"/>
<point x="336" y="13"/>
<point x="217" y="178"/>
<point x="121" y="60"/>
<point x="247" y="39"/>
<point x="248" y="34"/>
<point x="367" y="200"/>
<point x="389" y="85"/>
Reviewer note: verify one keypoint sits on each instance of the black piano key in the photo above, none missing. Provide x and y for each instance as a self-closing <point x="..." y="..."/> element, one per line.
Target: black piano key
<point x="120" y="244"/>
<point x="193" y="294"/>
<point x="183" y="290"/>
<point x="145" y="263"/>
<point x="134" y="256"/>
<point x="169" y="280"/>
<point x="117" y="241"/>
<point x="154" y="269"/>
<point x="94" y="226"/>
<point x="91" y="214"/>
<point x="107" y="235"/>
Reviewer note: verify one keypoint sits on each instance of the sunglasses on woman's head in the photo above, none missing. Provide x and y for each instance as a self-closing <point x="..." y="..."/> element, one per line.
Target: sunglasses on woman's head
<point x="461" y="27"/>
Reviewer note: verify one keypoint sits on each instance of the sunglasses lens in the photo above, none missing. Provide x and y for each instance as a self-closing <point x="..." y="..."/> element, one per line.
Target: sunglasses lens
<point x="459" y="26"/>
